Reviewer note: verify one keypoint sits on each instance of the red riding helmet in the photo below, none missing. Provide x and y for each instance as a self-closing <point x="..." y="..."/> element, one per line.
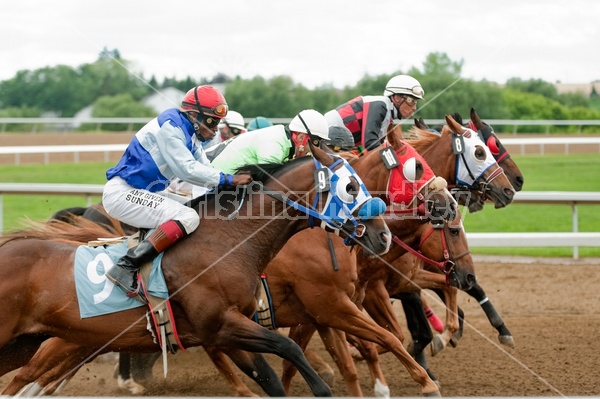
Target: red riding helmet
<point x="206" y="100"/>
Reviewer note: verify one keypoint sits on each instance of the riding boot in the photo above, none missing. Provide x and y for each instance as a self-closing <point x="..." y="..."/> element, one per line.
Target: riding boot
<point x="124" y="272"/>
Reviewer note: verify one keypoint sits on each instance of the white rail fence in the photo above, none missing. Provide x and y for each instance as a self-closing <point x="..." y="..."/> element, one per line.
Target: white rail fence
<point x="574" y="238"/>
<point x="512" y="144"/>
<point x="69" y="124"/>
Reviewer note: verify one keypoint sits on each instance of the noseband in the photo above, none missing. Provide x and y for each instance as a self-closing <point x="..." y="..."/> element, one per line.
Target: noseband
<point x="447" y="266"/>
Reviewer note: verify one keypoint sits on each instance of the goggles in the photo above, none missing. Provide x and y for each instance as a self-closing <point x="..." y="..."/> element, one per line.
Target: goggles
<point x="218" y="111"/>
<point x="210" y="121"/>
<point x="410" y="100"/>
<point x="233" y="130"/>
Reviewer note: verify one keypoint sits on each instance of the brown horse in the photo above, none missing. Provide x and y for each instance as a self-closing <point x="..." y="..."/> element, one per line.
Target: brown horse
<point x="333" y="285"/>
<point x="38" y="263"/>
<point x="514" y="175"/>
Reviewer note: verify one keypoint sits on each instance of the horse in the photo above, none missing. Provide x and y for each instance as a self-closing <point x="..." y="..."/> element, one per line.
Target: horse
<point x="512" y="171"/>
<point x="195" y="272"/>
<point x="332" y="284"/>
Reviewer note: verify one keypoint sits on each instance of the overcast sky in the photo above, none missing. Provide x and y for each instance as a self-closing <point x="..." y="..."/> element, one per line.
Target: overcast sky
<point x="313" y="41"/>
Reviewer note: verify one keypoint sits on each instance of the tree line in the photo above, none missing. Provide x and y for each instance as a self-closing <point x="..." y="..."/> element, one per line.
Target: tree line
<point x="113" y="91"/>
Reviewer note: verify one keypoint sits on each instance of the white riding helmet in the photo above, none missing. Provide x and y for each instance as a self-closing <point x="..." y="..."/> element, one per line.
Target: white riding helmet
<point x="404" y="84"/>
<point x="314" y="120"/>
<point x="235" y="120"/>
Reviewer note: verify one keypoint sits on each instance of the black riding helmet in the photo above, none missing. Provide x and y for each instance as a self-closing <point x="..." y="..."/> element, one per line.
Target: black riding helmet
<point x="340" y="139"/>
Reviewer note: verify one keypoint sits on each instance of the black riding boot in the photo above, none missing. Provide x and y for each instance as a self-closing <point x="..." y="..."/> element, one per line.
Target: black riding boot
<point x="124" y="272"/>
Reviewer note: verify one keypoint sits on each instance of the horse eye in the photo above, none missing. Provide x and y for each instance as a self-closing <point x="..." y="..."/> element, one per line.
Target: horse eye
<point x="480" y="153"/>
<point x="347" y="189"/>
<point x="455" y="232"/>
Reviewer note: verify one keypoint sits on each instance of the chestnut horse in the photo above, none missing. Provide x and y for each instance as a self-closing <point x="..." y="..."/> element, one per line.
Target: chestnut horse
<point x="512" y="171"/>
<point x="212" y="277"/>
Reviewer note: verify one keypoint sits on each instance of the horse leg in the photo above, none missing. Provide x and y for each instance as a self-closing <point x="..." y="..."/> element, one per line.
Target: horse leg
<point x="321" y="367"/>
<point x="418" y="326"/>
<point x="369" y="352"/>
<point x="228" y="373"/>
<point x="301" y="335"/>
<point x="239" y="332"/>
<point x="440" y="341"/>
<point x="504" y="335"/>
<point x="337" y="346"/>
<point x="461" y="320"/>
<point x="18" y="352"/>
<point x="344" y="315"/>
<point x="416" y="320"/>
<point x="55" y="362"/>
<point x="125" y="371"/>
<point x="434" y="320"/>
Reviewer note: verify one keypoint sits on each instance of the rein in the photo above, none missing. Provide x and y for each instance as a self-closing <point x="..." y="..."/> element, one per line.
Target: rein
<point x="447" y="265"/>
<point x="355" y="230"/>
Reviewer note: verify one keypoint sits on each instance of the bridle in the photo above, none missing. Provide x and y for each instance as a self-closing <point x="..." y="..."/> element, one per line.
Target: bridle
<point x="447" y="266"/>
<point x="343" y="220"/>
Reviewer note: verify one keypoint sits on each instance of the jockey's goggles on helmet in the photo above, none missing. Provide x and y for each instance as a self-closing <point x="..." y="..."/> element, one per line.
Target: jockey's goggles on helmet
<point x="417" y="91"/>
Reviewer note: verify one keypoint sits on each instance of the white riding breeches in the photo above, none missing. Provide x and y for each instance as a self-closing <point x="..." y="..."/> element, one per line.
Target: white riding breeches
<point x="144" y="209"/>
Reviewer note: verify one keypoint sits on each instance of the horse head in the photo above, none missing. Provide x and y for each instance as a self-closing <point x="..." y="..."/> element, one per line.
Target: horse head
<point x="475" y="168"/>
<point x="444" y="248"/>
<point x="511" y="170"/>
<point x="335" y="198"/>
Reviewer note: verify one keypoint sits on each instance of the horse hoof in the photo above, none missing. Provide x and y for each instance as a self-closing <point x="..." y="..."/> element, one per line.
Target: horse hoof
<point x="455" y="338"/>
<point x="437" y="345"/>
<point x="327" y="376"/>
<point x="436" y="394"/>
<point x="507" y="340"/>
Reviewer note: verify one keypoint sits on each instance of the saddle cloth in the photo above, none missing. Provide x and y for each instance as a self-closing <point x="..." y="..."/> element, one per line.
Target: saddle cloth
<point x="96" y="295"/>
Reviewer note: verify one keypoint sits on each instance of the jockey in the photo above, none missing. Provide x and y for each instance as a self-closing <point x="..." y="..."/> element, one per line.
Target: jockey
<point x="166" y="148"/>
<point x="340" y="139"/>
<point x="258" y="123"/>
<point x="274" y="144"/>
<point x="369" y="117"/>
<point x="230" y="126"/>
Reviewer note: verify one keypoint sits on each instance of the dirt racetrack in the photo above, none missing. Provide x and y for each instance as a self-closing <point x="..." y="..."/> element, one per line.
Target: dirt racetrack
<point x="552" y="308"/>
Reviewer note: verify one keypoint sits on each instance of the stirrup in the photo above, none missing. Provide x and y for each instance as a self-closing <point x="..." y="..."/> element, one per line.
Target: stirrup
<point x="137" y="293"/>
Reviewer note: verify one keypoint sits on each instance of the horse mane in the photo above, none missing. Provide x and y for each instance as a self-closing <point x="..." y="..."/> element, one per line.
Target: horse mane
<point x="74" y="230"/>
<point x="424" y="139"/>
<point x="265" y="171"/>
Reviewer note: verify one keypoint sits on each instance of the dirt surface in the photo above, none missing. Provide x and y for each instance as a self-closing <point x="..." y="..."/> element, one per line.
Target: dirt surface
<point x="552" y="309"/>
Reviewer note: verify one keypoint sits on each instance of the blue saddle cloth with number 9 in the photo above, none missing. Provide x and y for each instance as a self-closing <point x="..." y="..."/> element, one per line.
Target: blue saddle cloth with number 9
<point x="95" y="293"/>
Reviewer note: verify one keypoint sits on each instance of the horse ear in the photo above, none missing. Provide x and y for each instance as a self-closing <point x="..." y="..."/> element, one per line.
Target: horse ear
<point x="320" y="154"/>
<point x="476" y="119"/>
<point x="454" y="126"/>
<point x="420" y="123"/>
<point x="457" y="118"/>
<point x="394" y="135"/>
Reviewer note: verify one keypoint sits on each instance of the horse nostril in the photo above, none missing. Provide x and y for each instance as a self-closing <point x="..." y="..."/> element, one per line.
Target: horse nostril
<point x="471" y="280"/>
<point x="520" y="180"/>
<point x="509" y="192"/>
